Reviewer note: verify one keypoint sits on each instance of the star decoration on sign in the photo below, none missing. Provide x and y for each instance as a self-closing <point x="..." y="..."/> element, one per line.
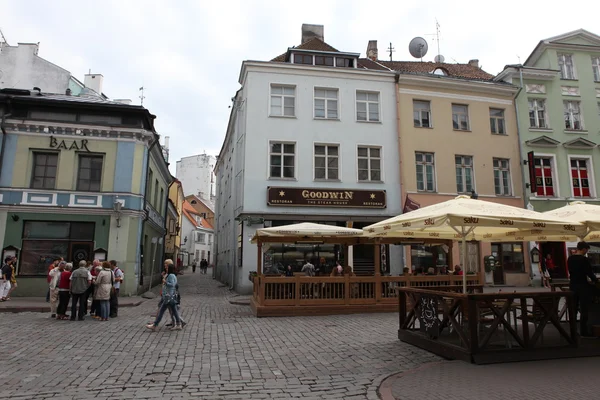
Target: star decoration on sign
<point x="281" y="193"/>
<point x="372" y="196"/>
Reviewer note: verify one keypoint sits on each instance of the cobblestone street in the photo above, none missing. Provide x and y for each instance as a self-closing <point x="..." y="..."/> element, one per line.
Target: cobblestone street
<point x="223" y="353"/>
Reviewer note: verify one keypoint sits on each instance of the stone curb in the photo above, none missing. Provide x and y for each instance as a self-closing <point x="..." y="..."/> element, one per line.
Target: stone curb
<point x="384" y="390"/>
<point x="46" y="309"/>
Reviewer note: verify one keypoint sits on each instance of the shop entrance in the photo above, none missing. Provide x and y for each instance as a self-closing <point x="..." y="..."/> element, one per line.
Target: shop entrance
<point x="557" y="251"/>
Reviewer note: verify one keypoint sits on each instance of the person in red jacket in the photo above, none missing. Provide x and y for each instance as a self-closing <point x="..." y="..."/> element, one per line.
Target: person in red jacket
<point x="64" y="291"/>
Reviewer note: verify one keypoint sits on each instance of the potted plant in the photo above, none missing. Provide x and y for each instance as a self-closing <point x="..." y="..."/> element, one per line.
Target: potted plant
<point x="251" y="275"/>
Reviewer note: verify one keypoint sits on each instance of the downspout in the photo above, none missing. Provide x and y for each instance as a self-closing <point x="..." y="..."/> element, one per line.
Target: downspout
<point x="402" y="189"/>
<point x="141" y="281"/>
<point x="3" y="128"/>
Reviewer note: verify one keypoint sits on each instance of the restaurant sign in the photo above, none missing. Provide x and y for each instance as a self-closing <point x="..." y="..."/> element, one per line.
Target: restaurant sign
<point x="304" y="197"/>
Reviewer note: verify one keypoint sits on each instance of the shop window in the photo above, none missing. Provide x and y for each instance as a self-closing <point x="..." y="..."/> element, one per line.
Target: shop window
<point x="424" y="257"/>
<point x="89" y="177"/>
<point x="510" y="256"/>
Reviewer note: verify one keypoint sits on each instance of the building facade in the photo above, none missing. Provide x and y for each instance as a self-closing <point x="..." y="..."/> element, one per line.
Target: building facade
<point x="558" y="108"/>
<point x="311" y="138"/>
<point x="174" y="219"/>
<point x="196" y="173"/>
<point x="203" y="207"/>
<point x="73" y="178"/>
<point x="198" y="236"/>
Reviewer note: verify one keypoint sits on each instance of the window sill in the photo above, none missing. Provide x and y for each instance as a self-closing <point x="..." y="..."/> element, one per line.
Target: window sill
<point x="369" y="122"/>
<point x="546" y="130"/>
<point x="462" y="130"/>
<point x="283" y="116"/>
<point x="378" y="182"/>
<point x="326" y="119"/>
<point x="499" y="134"/>
<point x="569" y="79"/>
<point x="283" y="179"/>
<point x="427" y="191"/>
<point x="576" y="131"/>
<point x="424" y="127"/>
<point x="327" y="180"/>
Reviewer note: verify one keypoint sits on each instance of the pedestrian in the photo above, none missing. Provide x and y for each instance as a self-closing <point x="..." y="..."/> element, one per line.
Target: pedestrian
<point x="204" y="265"/>
<point x="169" y="299"/>
<point x="53" y="277"/>
<point x="6" y="277"/>
<point x="52" y="265"/>
<point x="544" y="273"/>
<point x="194" y="266"/>
<point x="13" y="277"/>
<point x="114" y="294"/>
<point x="580" y="269"/>
<point x="96" y="268"/>
<point x="104" y="285"/>
<point x="81" y="279"/>
<point x="178" y="305"/>
<point x="64" y="291"/>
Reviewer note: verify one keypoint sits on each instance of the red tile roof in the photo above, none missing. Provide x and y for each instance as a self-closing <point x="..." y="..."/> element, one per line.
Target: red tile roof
<point x="312" y="44"/>
<point x="454" y="70"/>
<point x="190" y="213"/>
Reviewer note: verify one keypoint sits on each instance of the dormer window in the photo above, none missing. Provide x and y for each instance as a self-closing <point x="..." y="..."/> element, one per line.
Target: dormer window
<point x="439" y="71"/>
<point x="324" y="60"/>
<point x="303" y="59"/>
<point x="344" y="62"/>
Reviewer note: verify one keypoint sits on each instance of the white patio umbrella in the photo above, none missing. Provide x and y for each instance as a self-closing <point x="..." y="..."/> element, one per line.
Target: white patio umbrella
<point x="306" y="230"/>
<point x="466" y="219"/>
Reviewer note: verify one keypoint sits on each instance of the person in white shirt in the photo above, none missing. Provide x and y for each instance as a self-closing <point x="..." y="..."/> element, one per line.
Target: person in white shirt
<point x="114" y="295"/>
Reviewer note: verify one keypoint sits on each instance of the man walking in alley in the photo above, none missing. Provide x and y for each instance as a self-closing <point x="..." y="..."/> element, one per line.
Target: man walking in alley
<point x="81" y="279"/>
<point x="580" y="269"/>
<point x="114" y="294"/>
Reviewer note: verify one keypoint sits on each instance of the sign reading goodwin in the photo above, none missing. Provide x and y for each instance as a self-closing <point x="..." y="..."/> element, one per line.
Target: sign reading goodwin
<point x="304" y="197"/>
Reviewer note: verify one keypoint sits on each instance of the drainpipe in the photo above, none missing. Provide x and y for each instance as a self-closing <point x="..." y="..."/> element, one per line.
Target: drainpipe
<point x="402" y="189"/>
<point x="3" y="128"/>
<point x="141" y="280"/>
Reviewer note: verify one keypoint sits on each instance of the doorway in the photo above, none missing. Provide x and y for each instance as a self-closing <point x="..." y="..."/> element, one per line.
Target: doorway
<point x="79" y="251"/>
<point x="499" y="270"/>
<point x="558" y="252"/>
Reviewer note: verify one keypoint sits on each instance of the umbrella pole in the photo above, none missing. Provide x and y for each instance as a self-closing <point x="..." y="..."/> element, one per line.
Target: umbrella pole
<point x="464" y="260"/>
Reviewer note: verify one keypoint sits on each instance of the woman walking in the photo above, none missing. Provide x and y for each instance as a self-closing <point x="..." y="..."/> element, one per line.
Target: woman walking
<point x="104" y="283"/>
<point x="169" y="299"/>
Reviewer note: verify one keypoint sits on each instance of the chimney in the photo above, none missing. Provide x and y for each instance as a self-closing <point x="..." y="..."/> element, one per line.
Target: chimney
<point x="94" y="82"/>
<point x="166" y="146"/>
<point x="474" y="63"/>
<point x="312" y="31"/>
<point x="372" y="52"/>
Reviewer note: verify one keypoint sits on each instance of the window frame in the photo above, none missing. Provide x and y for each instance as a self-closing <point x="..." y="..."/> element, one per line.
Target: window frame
<point x="596" y="68"/>
<point x="282" y="154"/>
<point x="282" y="96"/>
<point x="509" y="169"/>
<point x="326" y="156"/>
<point x="536" y="110"/>
<point x="425" y="163"/>
<point x="80" y="157"/>
<point x="369" y="169"/>
<point x="420" y="114"/>
<point x="367" y="102"/>
<point x="33" y="164"/>
<point x="326" y="100"/>
<point x="554" y="172"/>
<point x="571" y="114"/>
<point x="467" y="117"/>
<point x="496" y="119"/>
<point x="500" y="258"/>
<point x="464" y="167"/>
<point x="562" y="56"/>
<point x="591" y="178"/>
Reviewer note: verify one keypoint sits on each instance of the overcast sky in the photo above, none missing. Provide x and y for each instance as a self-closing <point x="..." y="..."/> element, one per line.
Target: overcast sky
<point x="187" y="54"/>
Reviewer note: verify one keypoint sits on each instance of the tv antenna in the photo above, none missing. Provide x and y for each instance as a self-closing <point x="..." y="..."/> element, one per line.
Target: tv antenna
<point x="142" y="97"/>
<point x="391" y="50"/>
<point x="439" y="58"/>
<point x="418" y="47"/>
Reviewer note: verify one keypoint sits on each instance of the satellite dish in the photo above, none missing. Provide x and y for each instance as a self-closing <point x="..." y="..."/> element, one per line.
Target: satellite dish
<point x="439" y="58"/>
<point x="418" y="47"/>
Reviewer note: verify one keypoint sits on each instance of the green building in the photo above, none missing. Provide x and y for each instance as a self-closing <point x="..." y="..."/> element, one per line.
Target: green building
<point x="558" y="110"/>
<point x="82" y="178"/>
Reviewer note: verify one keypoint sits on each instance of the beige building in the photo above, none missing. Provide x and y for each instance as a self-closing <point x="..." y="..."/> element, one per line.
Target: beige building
<point x="458" y="135"/>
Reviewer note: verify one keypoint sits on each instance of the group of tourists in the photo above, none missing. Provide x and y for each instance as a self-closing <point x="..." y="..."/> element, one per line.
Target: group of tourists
<point x="203" y="265"/>
<point x="8" y="283"/>
<point x="99" y="280"/>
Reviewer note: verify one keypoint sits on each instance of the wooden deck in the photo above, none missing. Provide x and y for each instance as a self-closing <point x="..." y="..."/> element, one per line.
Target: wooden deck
<point x="276" y="296"/>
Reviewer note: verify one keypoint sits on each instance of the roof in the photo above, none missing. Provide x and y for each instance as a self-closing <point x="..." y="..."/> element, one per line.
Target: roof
<point x="568" y="39"/>
<point x="190" y="214"/>
<point x="426" y="67"/>
<point x="206" y="203"/>
<point x="87" y="97"/>
<point x="312" y="44"/>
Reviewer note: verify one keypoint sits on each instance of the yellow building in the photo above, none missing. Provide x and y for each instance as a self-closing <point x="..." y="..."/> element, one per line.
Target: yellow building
<point x="174" y="215"/>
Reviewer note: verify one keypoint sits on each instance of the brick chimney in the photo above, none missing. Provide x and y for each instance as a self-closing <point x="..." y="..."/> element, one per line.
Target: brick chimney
<point x="372" y="52"/>
<point x="474" y="63"/>
<point x="94" y="82"/>
<point x="310" y="31"/>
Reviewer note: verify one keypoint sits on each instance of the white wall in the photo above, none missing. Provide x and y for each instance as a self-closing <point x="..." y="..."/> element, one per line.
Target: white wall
<point x="191" y="246"/>
<point x="22" y="68"/>
<point x="196" y="175"/>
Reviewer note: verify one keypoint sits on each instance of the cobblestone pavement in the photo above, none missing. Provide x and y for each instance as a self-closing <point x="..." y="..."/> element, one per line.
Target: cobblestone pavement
<point x="223" y="353"/>
<point x="453" y="380"/>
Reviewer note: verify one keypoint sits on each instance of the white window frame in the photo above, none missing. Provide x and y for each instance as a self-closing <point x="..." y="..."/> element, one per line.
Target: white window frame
<point x="591" y="177"/>
<point x="463" y="167"/>
<point x="596" y="68"/>
<point x="369" y="147"/>
<point x="368" y="103"/>
<point x="326" y="99"/>
<point x="467" y="117"/>
<point x="421" y="115"/>
<point x="562" y="63"/>
<point x="554" y="167"/>
<point x="282" y="142"/>
<point x="326" y="156"/>
<point x="282" y="97"/>
<point x="510" y="182"/>
<point x="571" y="114"/>
<point x="496" y="119"/>
<point x="536" y="109"/>
<point x="425" y="163"/>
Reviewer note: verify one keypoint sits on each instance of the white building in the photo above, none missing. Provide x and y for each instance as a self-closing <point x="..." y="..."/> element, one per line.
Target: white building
<point x="311" y="137"/>
<point x="196" y="173"/>
<point x="197" y="236"/>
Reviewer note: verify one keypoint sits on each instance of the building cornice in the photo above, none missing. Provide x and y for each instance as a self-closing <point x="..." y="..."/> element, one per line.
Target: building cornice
<point x="528" y="73"/>
<point x="70" y="210"/>
<point x="493" y="88"/>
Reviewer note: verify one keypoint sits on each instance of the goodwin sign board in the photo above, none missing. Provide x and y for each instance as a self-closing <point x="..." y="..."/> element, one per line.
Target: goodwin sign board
<point x="304" y="197"/>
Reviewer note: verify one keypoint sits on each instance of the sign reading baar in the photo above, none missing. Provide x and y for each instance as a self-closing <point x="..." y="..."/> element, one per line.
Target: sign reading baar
<point x="302" y="197"/>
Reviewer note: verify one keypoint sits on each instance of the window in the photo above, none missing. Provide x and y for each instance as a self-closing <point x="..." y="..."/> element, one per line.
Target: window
<point x="543" y="176"/>
<point x="497" y="121"/>
<point x="369" y="164"/>
<point x="565" y="64"/>
<point x="573" y="118"/>
<point x="209" y="238"/>
<point x="200" y="237"/>
<point x="344" y="62"/>
<point x="282" y="160"/>
<point x="326" y="103"/>
<point x="162" y="195"/>
<point x="464" y="173"/>
<point x="460" y="117"/>
<point x="510" y="256"/>
<point x="283" y="101"/>
<point x="43" y="175"/>
<point x="327" y="162"/>
<point x="425" y="172"/>
<point x="303" y="59"/>
<point x="324" y="60"/>
<point x="596" y="68"/>
<point x="502" y="182"/>
<point x="155" y="197"/>
<point x="90" y="173"/>
<point x="149" y="188"/>
<point x="537" y="113"/>
<point x="580" y="177"/>
<point x="367" y="106"/>
<point x="422" y="113"/>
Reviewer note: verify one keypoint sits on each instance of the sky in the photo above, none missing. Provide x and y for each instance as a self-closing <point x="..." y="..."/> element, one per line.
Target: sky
<point x="187" y="54"/>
